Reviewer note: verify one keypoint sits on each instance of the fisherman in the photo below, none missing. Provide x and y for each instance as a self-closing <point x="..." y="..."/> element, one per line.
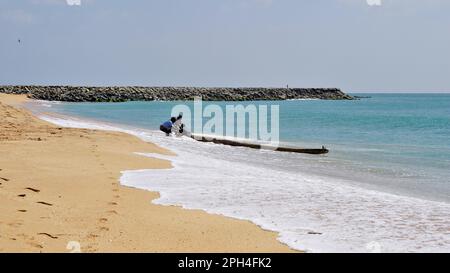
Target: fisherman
<point x="178" y="126"/>
<point x="166" y="127"/>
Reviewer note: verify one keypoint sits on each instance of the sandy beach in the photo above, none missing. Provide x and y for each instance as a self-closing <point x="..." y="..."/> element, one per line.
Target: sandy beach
<point x="60" y="187"/>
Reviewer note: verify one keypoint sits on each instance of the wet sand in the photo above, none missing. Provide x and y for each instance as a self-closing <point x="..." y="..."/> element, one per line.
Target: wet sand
<point x="59" y="189"/>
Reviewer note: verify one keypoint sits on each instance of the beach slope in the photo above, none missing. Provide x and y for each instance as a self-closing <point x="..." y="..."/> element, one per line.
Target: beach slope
<point x="59" y="189"/>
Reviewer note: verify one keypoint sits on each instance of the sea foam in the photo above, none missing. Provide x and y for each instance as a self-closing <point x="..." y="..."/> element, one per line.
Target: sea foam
<point x="311" y="212"/>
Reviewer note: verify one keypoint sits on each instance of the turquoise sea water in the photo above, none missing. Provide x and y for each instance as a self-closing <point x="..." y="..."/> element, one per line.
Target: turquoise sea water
<point x="397" y="142"/>
<point x="384" y="186"/>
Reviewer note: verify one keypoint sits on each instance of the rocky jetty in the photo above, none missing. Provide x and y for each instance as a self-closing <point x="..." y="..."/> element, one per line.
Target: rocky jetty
<point x="136" y="93"/>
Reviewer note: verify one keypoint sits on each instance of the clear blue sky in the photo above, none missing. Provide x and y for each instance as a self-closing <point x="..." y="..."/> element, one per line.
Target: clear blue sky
<point x="402" y="45"/>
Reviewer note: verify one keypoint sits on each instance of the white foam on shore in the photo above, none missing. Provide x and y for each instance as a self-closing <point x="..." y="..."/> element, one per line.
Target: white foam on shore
<point x="310" y="212"/>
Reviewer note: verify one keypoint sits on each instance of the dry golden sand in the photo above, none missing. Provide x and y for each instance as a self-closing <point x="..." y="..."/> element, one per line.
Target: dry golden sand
<point x="59" y="185"/>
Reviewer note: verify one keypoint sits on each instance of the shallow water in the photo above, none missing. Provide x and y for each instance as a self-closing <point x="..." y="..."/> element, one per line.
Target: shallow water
<point x="383" y="187"/>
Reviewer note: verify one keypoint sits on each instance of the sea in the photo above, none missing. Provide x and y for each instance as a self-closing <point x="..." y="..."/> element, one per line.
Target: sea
<point x="383" y="187"/>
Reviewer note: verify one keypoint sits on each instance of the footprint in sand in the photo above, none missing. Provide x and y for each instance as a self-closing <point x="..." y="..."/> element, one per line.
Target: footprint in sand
<point x="44" y="203"/>
<point x="32" y="189"/>
<point x="15" y="224"/>
<point x="103" y="220"/>
<point x="4" y="179"/>
<point x="112" y="203"/>
<point x="112" y="212"/>
<point x="33" y="244"/>
<point x="29" y="240"/>
<point x="22" y="195"/>
<point x="92" y="236"/>
<point x="22" y="210"/>
<point x="104" y="229"/>
<point x="48" y="235"/>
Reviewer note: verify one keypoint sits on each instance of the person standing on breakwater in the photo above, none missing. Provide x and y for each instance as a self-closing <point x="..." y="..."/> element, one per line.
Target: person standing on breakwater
<point x="166" y="127"/>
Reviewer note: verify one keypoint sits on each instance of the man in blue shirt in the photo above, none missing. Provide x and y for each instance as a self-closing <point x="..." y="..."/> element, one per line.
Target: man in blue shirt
<point x="166" y="127"/>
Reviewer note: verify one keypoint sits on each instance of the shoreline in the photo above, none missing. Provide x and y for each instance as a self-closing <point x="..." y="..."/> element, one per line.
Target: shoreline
<point x="363" y="229"/>
<point x="43" y="211"/>
<point x="329" y="198"/>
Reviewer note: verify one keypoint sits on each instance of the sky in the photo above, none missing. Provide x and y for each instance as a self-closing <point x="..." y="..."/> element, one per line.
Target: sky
<point x="355" y="45"/>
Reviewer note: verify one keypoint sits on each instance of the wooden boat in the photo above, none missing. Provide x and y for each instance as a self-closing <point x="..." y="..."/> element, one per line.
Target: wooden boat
<point x="236" y="143"/>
